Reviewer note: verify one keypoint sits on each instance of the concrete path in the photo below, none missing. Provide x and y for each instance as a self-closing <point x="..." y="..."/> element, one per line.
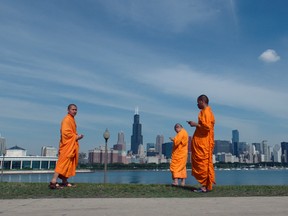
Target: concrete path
<point x="224" y="206"/>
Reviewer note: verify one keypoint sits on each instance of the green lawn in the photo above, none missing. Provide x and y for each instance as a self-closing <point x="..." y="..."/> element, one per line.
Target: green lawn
<point x="88" y="190"/>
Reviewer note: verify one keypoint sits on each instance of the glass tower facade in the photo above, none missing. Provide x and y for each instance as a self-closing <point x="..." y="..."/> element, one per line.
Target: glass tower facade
<point x="136" y="138"/>
<point x="235" y="142"/>
<point x="284" y="151"/>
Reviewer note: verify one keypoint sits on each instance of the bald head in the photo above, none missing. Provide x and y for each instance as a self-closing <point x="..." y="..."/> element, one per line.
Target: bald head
<point x="178" y="127"/>
<point x="203" y="98"/>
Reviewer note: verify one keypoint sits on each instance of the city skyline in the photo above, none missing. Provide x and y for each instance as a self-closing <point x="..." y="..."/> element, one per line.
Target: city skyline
<point x="109" y="57"/>
<point x="121" y="142"/>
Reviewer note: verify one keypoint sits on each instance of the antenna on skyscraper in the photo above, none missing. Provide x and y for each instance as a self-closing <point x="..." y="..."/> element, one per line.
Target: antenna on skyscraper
<point x="136" y="110"/>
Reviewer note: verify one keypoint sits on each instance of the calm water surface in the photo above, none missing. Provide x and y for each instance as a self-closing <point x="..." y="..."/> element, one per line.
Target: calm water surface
<point x="223" y="177"/>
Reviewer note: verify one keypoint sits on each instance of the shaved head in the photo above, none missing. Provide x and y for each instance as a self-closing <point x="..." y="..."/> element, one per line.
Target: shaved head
<point x="71" y="105"/>
<point x="178" y="126"/>
<point x="203" y="98"/>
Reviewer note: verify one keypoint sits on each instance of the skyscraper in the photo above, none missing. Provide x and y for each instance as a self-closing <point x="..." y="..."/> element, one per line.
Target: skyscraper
<point x="121" y="146"/>
<point x="277" y="153"/>
<point x="266" y="151"/>
<point x="284" y="151"/>
<point x="235" y="142"/>
<point x="258" y="147"/>
<point x="222" y="146"/>
<point x="136" y="138"/>
<point x="167" y="149"/>
<point x="159" y="142"/>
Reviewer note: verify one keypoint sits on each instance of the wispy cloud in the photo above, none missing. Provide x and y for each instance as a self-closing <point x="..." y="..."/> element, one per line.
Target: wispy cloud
<point x="233" y="12"/>
<point x="185" y="82"/>
<point x="166" y="15"/>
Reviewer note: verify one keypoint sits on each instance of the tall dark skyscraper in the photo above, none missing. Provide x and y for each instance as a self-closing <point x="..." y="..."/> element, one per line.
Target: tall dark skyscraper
<point x="284" y="150"/>
<point x="167" y="149"/>
<point x="136" y="138"/>
<point x="235" y="142"/>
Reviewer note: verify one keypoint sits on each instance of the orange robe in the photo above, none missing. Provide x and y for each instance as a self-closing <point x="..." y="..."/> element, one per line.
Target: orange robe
<point x="202" y="146"/>
<point x="179" y="155"/>
<point x="68" y="148"/>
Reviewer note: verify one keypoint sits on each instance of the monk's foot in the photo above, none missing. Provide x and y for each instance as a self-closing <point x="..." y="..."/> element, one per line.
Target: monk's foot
<point x="174" y="184"/>
<point x="200" y="190"/>
<point x="67" y="184"/>
<point x="54" y="185"/>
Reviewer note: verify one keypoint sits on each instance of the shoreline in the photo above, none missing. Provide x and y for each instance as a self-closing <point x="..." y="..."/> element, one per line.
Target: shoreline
<point x="14" y="172"/>
<point x="10" y="172"/>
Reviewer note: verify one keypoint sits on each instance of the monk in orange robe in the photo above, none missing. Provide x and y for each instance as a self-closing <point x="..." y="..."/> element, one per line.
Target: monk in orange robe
<point x="68" y="150"/>
<point x="179" y="155"/>
<point x="202" y="146"/>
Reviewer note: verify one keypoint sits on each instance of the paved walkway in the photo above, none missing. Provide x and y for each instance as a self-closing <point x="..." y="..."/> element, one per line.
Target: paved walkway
<point x="224" y="206"/>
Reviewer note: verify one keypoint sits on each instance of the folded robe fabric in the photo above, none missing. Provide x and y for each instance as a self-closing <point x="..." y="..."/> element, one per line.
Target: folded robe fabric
<point x="202" y="146"/>
<point x="68" y="148"/>
<point x="179" y="155"/>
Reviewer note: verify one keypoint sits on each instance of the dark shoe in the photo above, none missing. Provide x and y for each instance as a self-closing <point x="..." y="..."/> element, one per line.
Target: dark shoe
<point x="54" y="185"/>
<point x="67" y="184"/>
<point x="200" y="190"/>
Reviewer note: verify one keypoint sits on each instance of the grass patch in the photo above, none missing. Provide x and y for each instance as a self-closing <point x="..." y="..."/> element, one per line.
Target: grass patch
<point x="88" y="190"/>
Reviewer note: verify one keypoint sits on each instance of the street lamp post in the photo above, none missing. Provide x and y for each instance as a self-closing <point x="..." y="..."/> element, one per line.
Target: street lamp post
<point x="3" y="153"/>
<point x="2" y="165"/>
<point x="106" y="136"/>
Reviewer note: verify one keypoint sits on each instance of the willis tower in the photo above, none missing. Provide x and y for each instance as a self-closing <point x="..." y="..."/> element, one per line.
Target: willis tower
<point x="136" y="138"/>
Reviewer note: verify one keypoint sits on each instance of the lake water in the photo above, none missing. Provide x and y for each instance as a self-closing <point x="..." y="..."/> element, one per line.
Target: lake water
<point x="223" y="177"/>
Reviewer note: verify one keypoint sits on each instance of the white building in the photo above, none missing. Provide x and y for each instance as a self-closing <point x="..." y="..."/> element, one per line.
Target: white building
<point x="141" y="154"/>
<point x="141" y="151"/>
<point x="16" y="151"/>
<point x="153" y="159"/>
<point x="16" y="158"/>
<point x="226" y="157"/>
<point x="49" y="151"/>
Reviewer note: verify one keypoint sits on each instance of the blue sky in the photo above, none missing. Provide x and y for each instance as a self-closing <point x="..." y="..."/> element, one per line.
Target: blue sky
<point x="111" y="56"/>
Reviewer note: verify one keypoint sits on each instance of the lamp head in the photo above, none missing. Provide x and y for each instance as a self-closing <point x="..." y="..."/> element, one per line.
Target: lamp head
<point x="106" y="134"/>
